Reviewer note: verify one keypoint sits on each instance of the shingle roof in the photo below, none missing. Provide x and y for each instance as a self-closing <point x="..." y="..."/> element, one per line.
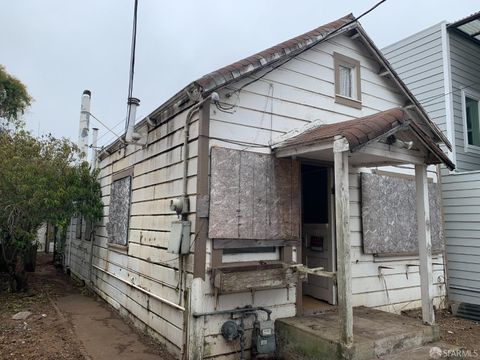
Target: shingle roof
<point x="361" y="131"/>
<point x="356" y="131"/>
<point x="274" y="54"/>
<point x="271" y="58"/>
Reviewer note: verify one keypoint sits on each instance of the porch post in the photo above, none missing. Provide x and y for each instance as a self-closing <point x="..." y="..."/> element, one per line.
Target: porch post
<point x="342" y="233"/>
<point x="424" y="243"/>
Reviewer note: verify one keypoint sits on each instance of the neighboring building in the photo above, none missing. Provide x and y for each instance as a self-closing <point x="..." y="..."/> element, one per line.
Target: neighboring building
<point x="441" y="67"/>
<point x="276" y="146"/>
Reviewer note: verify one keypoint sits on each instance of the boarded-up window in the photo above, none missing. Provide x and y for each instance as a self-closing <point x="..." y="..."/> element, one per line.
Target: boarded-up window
<point x="389" y="215"/>
<point x="253" y="196"/>
<point x="119" y="211"/>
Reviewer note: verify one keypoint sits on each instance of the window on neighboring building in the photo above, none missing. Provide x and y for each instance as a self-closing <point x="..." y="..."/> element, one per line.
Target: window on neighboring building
<point x="347" y="81"/>
<point x="119" y="211"/>
<point x="473" y="121"/>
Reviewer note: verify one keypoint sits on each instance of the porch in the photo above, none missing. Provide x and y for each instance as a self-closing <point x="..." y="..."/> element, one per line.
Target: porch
<point x="377" y="335"/>
<point x="392" y="137"/>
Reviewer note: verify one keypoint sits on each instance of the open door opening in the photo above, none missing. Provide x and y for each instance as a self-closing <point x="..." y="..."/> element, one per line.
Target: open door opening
<point x="318" y="246"/>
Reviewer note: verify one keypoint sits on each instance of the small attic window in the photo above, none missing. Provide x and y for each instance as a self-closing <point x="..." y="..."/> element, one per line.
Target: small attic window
<point x="347" y="81"/>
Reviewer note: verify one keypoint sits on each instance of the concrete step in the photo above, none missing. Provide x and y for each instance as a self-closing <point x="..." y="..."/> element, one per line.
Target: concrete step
<point x="376" y="334"/>
<point x="436" y="350"/>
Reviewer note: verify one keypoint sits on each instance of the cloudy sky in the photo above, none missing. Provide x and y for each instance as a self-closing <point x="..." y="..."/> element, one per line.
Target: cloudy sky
<point x="58" y="48"/>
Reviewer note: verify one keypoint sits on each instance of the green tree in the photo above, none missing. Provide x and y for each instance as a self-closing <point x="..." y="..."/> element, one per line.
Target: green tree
<point x="40" y="181"/>
<point x="14" y="98"/>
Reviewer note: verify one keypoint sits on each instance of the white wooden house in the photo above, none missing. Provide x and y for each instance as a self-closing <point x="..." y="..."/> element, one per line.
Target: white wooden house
<point x="441" y="66"/>
<point x="311" y="152"/>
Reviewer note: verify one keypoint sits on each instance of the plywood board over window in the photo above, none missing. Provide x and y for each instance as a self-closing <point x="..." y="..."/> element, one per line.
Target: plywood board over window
<point x="253" y="196"/>
<point x="389" y="217"/>
<point x="119" y="212"/>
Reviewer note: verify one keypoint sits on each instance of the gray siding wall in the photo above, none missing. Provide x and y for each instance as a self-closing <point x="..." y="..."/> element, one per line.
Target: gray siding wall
<point x="461" y="199"/>
<point x="419" y="63"/>
<point x="465" y="69"/>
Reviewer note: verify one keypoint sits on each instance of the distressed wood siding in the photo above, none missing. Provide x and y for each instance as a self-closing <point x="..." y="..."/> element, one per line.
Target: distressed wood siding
<point x="465" y="70"/>
<point x="157" y="178"/>
<point x="79" y="257"/>
<point x="418" y="60"/>
<point x="298" y="92"/>
<point x="461" y="199"/>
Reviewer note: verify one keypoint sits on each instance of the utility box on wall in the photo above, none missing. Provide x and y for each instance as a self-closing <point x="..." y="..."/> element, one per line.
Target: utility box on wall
<point x="179" y="242"/>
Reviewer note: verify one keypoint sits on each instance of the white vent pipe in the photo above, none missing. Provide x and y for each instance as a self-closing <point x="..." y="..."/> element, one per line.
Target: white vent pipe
<point x="132" y="136"/>
<point x="84" y="124"/>
<point x="94" y="160"/>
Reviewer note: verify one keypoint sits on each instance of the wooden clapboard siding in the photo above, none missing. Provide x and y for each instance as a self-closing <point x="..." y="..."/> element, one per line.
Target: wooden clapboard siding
<point x="465" y="70"/>
<point x="157" y="178"/>
<point x="461" y="194"/>
<point x="418" y="60"/>
<point x="425" y="61"/>
<point x="298" y="92"/>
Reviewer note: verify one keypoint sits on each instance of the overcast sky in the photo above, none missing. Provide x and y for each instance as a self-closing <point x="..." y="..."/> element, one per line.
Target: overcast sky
<point x="58" y="48"/>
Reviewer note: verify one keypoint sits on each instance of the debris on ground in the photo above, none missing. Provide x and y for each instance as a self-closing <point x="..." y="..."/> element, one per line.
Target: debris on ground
<point x="453" y="330"/>
<point x="45" y="333"/>
<point x="22" y="315"/>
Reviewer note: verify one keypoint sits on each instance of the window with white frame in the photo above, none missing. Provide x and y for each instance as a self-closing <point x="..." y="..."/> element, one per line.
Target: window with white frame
<point x="472" y="119"/>
<point x="119" y="211"/>
<point x="347" y="81"/>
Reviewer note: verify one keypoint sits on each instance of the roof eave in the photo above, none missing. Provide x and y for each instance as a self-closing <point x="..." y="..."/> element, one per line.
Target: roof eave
<point x="439" y="134"/>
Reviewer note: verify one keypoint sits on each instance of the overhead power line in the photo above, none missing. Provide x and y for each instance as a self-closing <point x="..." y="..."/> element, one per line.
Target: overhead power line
<point x="104" y="125"/>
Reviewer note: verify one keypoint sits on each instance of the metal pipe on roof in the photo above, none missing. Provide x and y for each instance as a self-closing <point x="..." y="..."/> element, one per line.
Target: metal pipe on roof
<point x="94" y="159"/>
<point x="131" y="136"/>
<point x="84" y="124"/>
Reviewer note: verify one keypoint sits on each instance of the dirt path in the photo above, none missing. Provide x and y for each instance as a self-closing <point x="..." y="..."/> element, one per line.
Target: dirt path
<point x="66" y="323"/>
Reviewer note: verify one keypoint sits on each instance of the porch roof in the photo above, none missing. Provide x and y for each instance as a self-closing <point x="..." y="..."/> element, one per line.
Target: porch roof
<point x="360" y="132"/>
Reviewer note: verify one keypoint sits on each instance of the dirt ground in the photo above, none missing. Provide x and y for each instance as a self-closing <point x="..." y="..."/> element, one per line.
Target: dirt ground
<point x="455" y="331"/>
<point x="50" y="332"/>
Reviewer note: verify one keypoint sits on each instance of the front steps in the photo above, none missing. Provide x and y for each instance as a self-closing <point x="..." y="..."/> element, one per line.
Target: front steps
<point x="377" y="335"/>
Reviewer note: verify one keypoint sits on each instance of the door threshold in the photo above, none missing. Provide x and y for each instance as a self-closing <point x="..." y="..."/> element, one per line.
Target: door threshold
<point x="312" y="306"/>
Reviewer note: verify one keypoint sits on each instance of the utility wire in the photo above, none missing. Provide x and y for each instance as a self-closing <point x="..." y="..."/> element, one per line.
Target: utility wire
<point x="275" y="66"/>
<point x="113" y="127"/>
<point x="103" y="124"/>
<point x="435" y="97"/>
